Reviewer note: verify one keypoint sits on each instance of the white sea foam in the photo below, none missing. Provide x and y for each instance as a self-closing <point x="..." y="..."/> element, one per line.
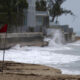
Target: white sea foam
<point x="26" y="48"/>
<point x="37" y="56"/>
<point x="77" y="43"/>
<point x="73" y="72"/>
<point x="41" y="55"/>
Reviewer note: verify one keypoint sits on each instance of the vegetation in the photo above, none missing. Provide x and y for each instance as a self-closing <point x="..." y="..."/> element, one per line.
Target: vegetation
<point x="41" y="5"/>
<point x="56" y="10"/>
<point x="11" y="10"/>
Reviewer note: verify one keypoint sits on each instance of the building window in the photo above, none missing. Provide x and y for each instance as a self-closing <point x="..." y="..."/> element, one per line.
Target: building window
<point x="39" y="20"/>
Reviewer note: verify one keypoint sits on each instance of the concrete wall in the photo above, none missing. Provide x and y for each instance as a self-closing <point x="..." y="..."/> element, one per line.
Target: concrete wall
<point x="17" y="38"/>
<point x="31" y="16"/>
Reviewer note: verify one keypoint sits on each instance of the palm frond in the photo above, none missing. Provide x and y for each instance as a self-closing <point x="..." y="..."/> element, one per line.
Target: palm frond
<point x="57" y="10"/>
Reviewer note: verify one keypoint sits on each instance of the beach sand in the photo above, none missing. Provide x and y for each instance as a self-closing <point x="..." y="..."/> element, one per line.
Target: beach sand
<point x="21" y="71"/>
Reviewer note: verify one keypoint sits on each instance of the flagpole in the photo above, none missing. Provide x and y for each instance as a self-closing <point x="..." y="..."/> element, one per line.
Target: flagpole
<point x="4" y="30"/>
<point x="3" y="62"/>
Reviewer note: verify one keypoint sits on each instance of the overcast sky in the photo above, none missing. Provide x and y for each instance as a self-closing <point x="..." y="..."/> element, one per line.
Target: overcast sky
<point x="73" y="21"/>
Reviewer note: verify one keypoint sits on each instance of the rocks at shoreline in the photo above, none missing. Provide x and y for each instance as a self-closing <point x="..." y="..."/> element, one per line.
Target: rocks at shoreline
<point x="77" y="37"/>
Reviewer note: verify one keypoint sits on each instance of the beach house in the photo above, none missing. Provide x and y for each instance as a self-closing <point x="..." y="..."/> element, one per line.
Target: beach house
<point x="36" y="18"/>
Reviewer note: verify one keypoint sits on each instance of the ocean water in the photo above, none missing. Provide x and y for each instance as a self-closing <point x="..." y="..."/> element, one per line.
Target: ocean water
<point x="74" y="66"/>
<point x="65" y="57"/>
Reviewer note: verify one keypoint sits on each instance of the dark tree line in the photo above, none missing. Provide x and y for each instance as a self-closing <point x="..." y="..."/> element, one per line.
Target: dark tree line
<point x="9" y="9"/>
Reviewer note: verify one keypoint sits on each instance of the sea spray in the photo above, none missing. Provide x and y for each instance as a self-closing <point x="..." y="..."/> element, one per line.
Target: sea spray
<point x="57" y="38"/>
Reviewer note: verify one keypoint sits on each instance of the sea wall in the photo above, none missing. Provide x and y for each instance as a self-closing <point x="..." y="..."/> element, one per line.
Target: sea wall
<point x="17" y="38"/>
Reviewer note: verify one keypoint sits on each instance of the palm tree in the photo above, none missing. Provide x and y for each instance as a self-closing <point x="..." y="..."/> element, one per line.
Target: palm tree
<point x="56" y="10"/>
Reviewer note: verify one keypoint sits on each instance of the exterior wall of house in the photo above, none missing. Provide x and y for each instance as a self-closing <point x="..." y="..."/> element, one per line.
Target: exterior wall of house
<point x="31" y="16"/>
<point x="42" y="24"/>
<point x="36" y="19"/>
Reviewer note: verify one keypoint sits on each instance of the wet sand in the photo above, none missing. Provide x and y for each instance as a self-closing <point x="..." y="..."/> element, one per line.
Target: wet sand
<point x="20" y="71"/>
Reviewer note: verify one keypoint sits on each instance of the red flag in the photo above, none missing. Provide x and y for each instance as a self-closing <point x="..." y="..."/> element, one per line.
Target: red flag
<point x="4" y="28"/>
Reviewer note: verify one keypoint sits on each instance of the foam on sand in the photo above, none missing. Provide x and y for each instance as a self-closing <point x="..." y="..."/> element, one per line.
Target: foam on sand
<point x="73" y="72"/>
<point x="37" y="56"/>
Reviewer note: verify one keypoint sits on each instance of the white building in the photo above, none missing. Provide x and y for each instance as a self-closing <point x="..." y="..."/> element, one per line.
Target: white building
<point x="35" y="20"/>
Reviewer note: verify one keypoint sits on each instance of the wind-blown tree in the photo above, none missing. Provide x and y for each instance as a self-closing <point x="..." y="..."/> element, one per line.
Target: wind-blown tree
<point x="41" y="5"/>
<point x="10" y="9"/>
<point x="56" y="10"/>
